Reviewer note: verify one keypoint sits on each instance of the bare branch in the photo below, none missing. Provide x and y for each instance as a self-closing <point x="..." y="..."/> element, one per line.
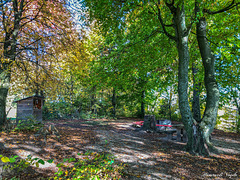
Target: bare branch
<point x="3" y="3"/>
<point x="35" y="17"/>
<point x="3" y="19"/>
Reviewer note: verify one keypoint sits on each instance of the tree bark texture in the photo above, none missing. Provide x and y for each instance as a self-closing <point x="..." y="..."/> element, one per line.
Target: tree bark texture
<point x="9" y="54"/>
<point x="114" y="103"/>
<point x="183" y="53"/>
<point x="93" y="99"/>
<point x="210" y="114"/>
<point x="142" y="104"/>
<point x="4" y="87"/>
<point x="170" y="104"/>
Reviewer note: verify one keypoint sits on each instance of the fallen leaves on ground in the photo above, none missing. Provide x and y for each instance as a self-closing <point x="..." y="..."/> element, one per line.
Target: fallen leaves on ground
<point x="146" y="155"/>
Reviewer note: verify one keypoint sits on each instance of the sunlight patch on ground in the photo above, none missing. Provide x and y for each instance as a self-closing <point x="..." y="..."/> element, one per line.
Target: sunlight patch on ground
<point x="158" y="176"/>
<point x="133" y="140"/>
<point x="147" y="162"/>
<point x="125" y="158"/>
<point x="227" y="150"/>
<point x="227" y="145"/>
<point x="127" y="155"/>
<point x="32" y="150"/>
<point x="94" y="148"/>
<point x="228" y="140"/>
<point x="23" y="155"/>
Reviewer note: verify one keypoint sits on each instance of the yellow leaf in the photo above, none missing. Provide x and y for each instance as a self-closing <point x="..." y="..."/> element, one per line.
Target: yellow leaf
<point x="5" y="159"/>
<point x="66" y="173"/>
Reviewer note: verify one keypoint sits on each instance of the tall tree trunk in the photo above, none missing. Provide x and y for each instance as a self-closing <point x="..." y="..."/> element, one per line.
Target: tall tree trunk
<point x="170" y="104"/>
<point x="5" y="77"/>
<point x="114" y="103"/>
<point x="9" y="54"/>
<point x="210" y="115"/>
<point x="142" y="104"/>
<point x="93" y="99"/>
<point x="181" y="33"/>
<point x="238" y="114"/>
<point x="196" y="103"/>
<point x="237" y="103"/>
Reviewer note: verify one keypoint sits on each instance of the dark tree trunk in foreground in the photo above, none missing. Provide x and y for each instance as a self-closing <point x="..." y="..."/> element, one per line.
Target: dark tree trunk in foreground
<point x="114" y="103"/>
<point x="93" y="99"/>
<point x="142" y="104"/>
<point x="208" y="122"/>
<point x="9" y="53"/>
<point x="149" y="123"/>
<point x="4" y="86"/>
<point x="170" y="104"/>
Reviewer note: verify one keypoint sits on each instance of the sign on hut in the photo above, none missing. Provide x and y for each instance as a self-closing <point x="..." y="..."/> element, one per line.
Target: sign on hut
<point x="29" y="107"/>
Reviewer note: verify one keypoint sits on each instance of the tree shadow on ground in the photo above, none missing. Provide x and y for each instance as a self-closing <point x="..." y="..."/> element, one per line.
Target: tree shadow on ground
<point x="146" y="155"/>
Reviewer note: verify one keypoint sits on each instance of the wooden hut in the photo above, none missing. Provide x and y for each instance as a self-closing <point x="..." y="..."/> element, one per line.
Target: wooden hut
<point x="29" y="107"/>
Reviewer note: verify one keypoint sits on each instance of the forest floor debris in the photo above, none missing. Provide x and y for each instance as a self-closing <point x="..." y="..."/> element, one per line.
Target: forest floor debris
<point x="146" y="155"/>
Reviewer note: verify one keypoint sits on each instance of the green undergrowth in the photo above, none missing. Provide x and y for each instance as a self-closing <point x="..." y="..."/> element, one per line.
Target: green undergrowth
<point x="91" y="165"/>
<point x="30" y="125"/>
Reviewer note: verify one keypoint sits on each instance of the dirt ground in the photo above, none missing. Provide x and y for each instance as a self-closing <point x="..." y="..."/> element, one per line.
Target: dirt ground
<point x="146" y="155"/>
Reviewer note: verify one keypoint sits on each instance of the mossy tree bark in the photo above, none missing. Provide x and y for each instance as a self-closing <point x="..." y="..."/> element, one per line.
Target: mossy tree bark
<point x="208" y="122"/>
<point x="182" y="33"/>
<point x="4" y="86"/>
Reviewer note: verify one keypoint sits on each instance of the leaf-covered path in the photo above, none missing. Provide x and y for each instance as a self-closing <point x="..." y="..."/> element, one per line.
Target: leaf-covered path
<point x="146" y="155"/>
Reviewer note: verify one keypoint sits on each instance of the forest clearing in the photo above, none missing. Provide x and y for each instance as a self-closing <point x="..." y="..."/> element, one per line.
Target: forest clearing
<point x="119" y="89"/>
<point x="143" y="155"/>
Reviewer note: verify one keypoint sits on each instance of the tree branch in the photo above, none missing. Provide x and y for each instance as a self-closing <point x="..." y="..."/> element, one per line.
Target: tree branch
<point x="230" y="6"/>
<point x="3" y="3"/>
<point x="35" y="17"/>
<point x="3" y="19"/>
<point x="207" y="40"/>
<point x="162" y="24"/>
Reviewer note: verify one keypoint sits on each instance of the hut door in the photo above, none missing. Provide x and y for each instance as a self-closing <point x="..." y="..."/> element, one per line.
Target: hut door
<point x="37" y="109"/>
<point x="37" y="104"/>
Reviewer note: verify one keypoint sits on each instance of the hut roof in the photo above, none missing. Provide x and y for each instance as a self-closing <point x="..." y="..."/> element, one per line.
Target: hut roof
<point x="37" y="96"/>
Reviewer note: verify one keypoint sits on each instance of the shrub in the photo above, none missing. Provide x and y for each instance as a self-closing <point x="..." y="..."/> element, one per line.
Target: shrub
<point x="14" y="166"/>
<point x="58" y="110"/>
<point x="92" y="166"/>
<point x="29" y="125"/>
<point x="95" y="166"/>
